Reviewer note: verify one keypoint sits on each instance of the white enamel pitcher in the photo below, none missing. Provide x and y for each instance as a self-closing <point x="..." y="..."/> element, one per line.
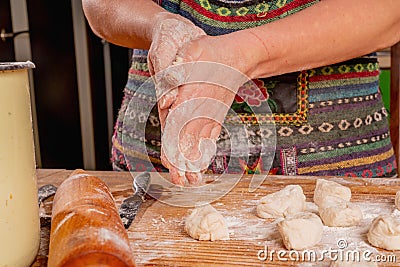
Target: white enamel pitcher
<point x="19" y="210"/>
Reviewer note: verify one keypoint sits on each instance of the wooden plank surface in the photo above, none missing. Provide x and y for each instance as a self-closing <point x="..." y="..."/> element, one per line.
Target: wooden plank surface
<point x="157" y="235"/>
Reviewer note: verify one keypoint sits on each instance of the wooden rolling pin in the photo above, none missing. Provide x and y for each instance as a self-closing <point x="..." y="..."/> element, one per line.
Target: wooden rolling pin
<point x="86" y="229"/>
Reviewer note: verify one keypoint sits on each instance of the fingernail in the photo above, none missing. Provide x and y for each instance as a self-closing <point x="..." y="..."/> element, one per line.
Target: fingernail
<point x="167" y="100"/>
<point x="163" y="103"/>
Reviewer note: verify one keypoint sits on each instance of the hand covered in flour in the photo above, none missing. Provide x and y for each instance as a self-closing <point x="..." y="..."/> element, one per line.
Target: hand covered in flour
<point x="169" y="34"/>
<point x="208" y="80"/>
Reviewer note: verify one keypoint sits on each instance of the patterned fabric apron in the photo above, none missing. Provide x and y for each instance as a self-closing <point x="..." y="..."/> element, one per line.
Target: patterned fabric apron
<point x="328" y="121"/>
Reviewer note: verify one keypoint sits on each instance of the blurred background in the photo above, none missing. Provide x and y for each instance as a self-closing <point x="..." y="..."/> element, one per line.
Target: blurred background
<point x="77" y="85"/>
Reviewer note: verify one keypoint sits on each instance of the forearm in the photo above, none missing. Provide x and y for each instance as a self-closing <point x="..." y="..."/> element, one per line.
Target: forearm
<point x="328" y="32"/>
<point x="127" y="23"/>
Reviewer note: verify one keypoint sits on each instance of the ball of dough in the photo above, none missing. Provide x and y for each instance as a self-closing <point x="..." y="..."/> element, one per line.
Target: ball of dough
<point x="287" y="201"/>
<point x="324" y="188"/>
<point x="206" y="223"/>
<point x="330" y="201"/>
<point x="385" y="232"/>
<point x="301" y="231"/>
<point x="340" y="213"/>
<point x="397" y="200"/>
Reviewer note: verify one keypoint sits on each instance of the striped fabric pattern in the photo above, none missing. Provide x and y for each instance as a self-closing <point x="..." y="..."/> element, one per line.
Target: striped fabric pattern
<point x="347" y="118"/>
<point x="218" y="17"/>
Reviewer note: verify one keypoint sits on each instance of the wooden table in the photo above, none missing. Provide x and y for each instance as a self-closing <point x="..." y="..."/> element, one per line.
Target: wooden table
<point x="157" y="234"/>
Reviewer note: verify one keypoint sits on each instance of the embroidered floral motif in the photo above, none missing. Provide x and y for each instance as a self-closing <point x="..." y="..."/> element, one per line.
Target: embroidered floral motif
<point x="298" y="117"/>
<point x="246" y="93"/>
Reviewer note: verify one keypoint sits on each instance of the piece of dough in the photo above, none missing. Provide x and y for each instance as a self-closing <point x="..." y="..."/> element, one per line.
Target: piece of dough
<point x="397" y="200"/>
<point x="301" y="231"/>
<point x="324" y="188"/>
<point x="337" y="212"/>
<point x="206" y="223"/>
<point x="330" y="201"/>
<point x="385" y="232"/>
<point x="287" y="201"/>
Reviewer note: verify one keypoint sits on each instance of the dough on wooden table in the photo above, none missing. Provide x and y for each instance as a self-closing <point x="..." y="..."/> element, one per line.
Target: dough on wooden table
<point x="324" y="188"/>
<point x="361" y="263"/>
<point x="337" y="212"/>
<point x="206" y="223"/>
<point x="385" y="232"/>
<point x="397" y="200"/>
<point x="329" y="201"/>
<point x="287" y="201"/>
<point x="300" y="231"/>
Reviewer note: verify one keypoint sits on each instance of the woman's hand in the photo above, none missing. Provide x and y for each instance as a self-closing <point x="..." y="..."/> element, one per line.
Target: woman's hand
<point x="208" y="77"/>
<point x="170" y="33"/>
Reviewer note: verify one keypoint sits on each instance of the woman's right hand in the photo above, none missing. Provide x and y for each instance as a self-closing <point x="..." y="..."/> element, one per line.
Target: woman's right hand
<point x="209" y="76"/>
<point x="170" y="33"/>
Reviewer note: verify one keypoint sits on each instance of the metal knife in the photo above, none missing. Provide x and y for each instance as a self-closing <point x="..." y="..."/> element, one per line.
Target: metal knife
<point x="130" y="206"/>
<point x="45" y="192"/>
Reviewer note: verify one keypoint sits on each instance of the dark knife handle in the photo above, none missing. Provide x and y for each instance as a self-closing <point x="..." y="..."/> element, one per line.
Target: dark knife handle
<point x="130" y="206"/>
<point x="129" y="209"/>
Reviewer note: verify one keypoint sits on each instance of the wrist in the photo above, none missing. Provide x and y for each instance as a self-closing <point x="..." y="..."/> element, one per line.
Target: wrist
<point x="161" y="18"/>
<point x="258" y="56"/>
<point x="156" y="23"/>
<point x="240" y="46"/>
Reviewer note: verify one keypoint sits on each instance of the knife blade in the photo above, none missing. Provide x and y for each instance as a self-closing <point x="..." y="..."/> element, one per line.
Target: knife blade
<point x="45" y="192"/>
<point x="130" y="206"/>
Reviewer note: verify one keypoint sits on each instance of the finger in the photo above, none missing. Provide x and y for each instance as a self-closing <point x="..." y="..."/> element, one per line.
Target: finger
<point x="164" y="104"/>
<point x="162" y="114"/>
<point x="177" y="73"/>
<point x="167" y="99"/>
<point x="216" y="131"/>
<point x="161" y="55"/>
<point x="150" y="66"/>
<point x="164" y="159"/>
<point x="177" y="177"/>
<point x="211" y="129"/>
<point x="194" y="178"/>
<point x="168" y="82"/>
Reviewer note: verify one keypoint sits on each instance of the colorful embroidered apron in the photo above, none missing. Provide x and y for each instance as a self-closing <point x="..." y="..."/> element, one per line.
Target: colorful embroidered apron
<point x="328" y="121"/>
